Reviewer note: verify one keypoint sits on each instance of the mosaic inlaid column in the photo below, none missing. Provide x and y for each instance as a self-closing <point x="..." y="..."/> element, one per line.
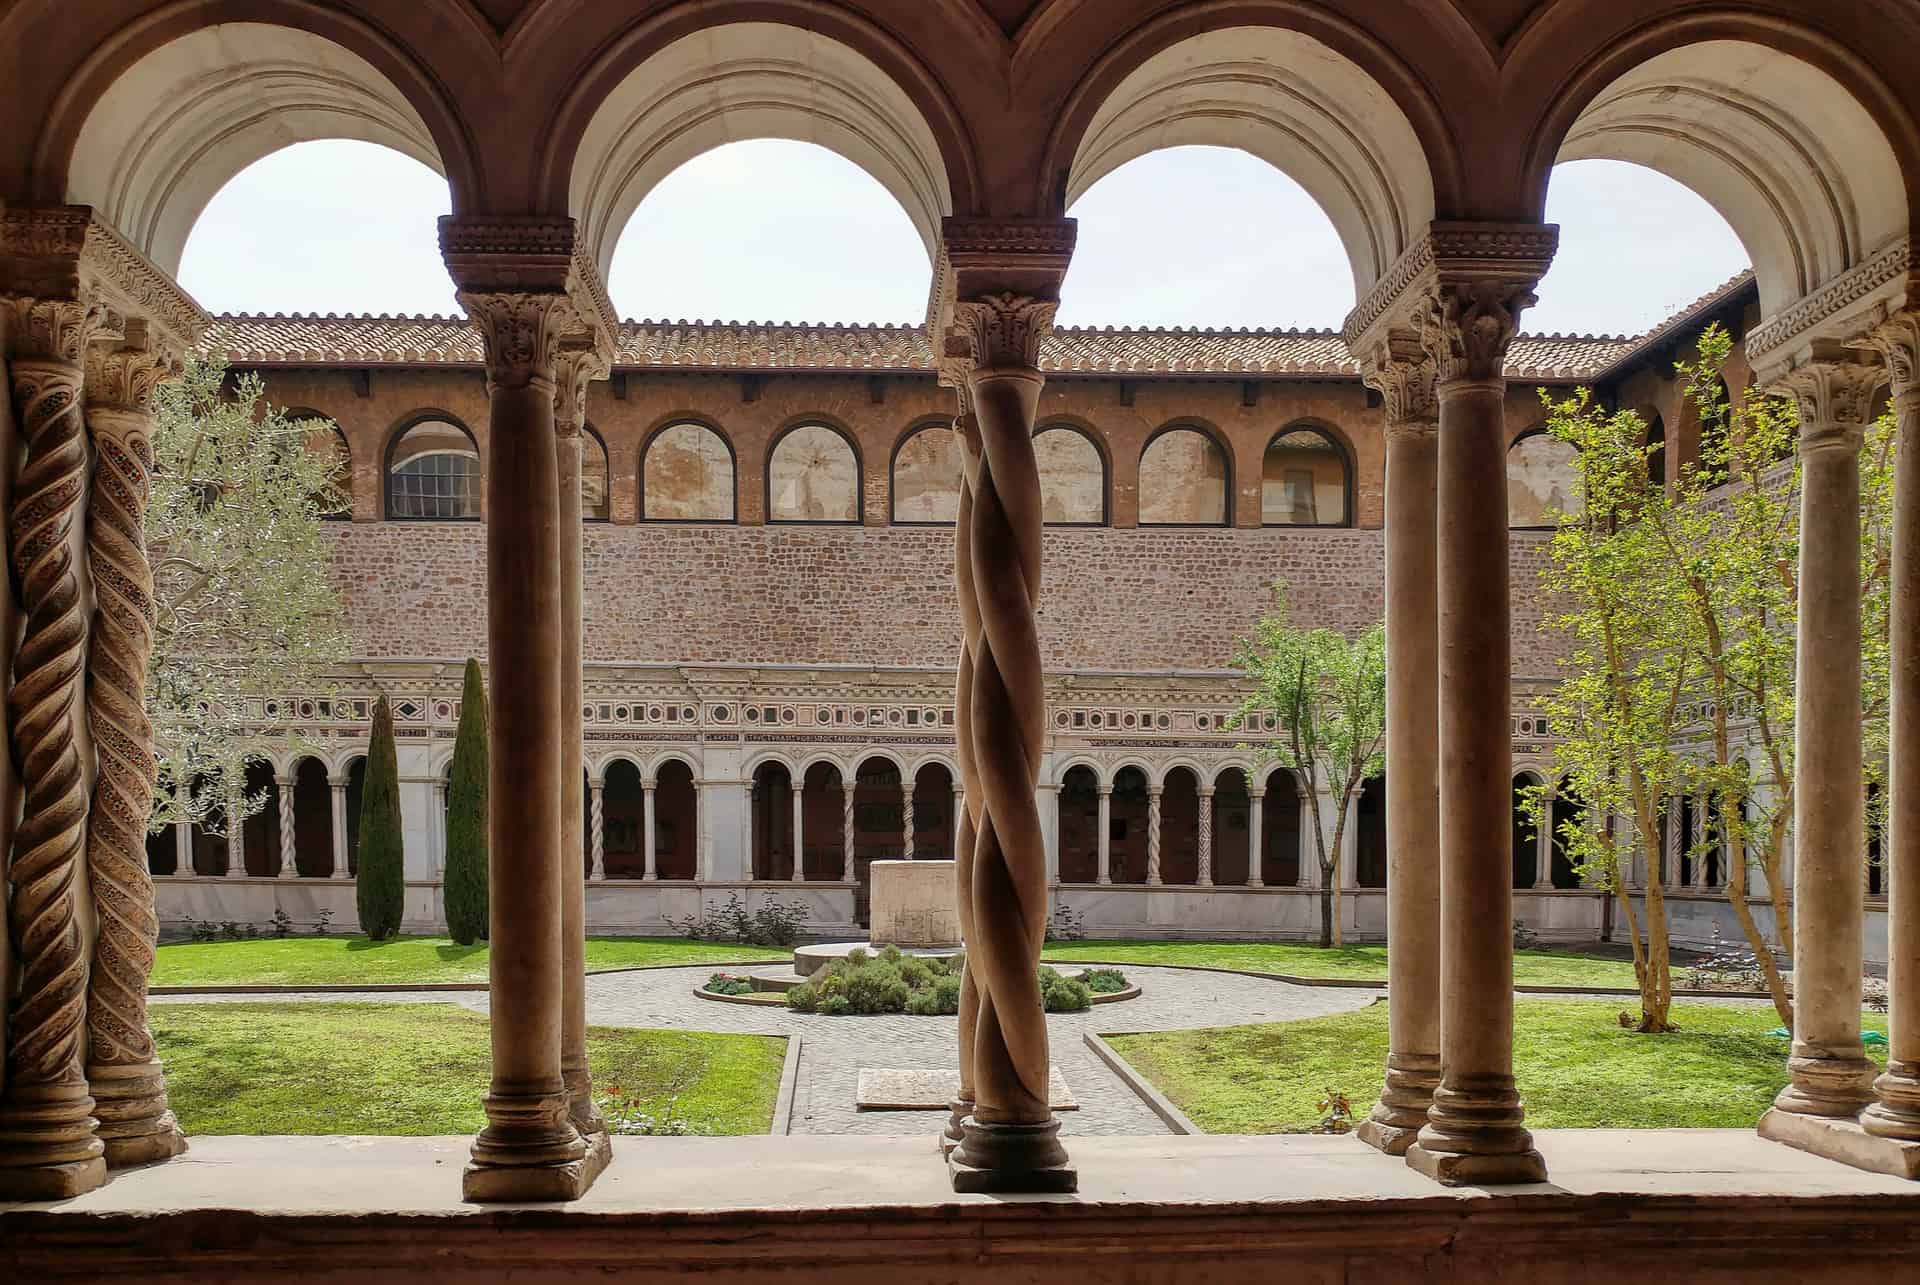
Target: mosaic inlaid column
<point x="1153" y="836"/>
<point x="1404" y="375"/>
<point x="289" y="864"/>
<point x="123" y="1070"/>
<point x="1831" y="1076"/>
<point x="1697" y="843"/>
<point x="598" y="823"/>
<point x="649" y="839"/>
<point x="846" y="828"/>
<point x="1896" y="1111"/>
<point x="967" y="788"/>
<point x="529" y="1149"/>
<point x="341" y="866"/>
<point x="906" y="796"/>
<point x="1474" y="1131"/>
<point x="1011" y="1140"/>
<point x="1105" y="872"/>
<point x="1205" y="877"/>
<point x="574" y="370"/>
<point x="48" y="1147"/>
<point x="1256" y="809"/>
<point x="236" y="848"/>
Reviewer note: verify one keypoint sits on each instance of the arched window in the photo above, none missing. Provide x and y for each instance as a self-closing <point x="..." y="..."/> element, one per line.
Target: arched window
<point x="926" y="476"/>
<point x="593" y="478"/>
<point x="813" y="475"/>
<point x="1183" y="480"/>
<point x="1305" y="480"/>
<point x="686" y="475"/>
<point x="1073" y="477"/>
<point x="323" y="434"/>
<point x="1656" y="451"/>
<point x="1542" y="481"/>
<point x="433" y="471"/>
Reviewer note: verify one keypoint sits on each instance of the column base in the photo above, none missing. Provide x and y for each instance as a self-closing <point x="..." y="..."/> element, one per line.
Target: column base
<point x="960" y="1111"/>
<point x="48" y="1150"/>
<point x="1842" y="1140"/>
<point x="1897" y="1114"/>
<point x="528" y="1151"/>
<point x="1832" y="1082"/>
<point x="1474" y="1138"/>
<point x="1012" y="1158"/>
<point x="1401" y="1112"/>
<point x="130" y="1103"/>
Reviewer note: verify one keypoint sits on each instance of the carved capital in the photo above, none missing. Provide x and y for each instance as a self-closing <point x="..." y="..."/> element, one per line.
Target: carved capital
<point x="1467" y="326"/>
<point x="1835" y="398"/>
<point x="574" y="369"/>
<point x="124" y="377"/>
<point x="65" y="252"/>
<point x="999" y="330"/>
<point x="521" y="332"/>
<point x="1897" y="340"/>
<point x="1451" y="253"/>
<point x="534" y="255"/>
<point x="57" y="329"/>
<point x="1406" y="376"/>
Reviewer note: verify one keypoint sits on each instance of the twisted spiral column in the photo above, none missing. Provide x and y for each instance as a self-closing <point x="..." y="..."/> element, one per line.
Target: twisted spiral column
<point x="966" y="818"/>
<point x="1012" y="1139"/>
<point x="846" y="827"/>
<point x="289" y="865"/>
<point x="906" y="824"/>
<point x="125" y="1076"/>
<point x="599" y="824"/>
<point x="48" y="1147"/>
<point x="1205" y="876"/>
<point x="1153" y="836"/>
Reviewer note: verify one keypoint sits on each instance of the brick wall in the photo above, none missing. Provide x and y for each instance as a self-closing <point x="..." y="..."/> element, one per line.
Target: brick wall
<point x="1112" y="599"/>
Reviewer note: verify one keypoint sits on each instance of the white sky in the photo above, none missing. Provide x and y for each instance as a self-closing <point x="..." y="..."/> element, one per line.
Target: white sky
<point x="775" y="230"/>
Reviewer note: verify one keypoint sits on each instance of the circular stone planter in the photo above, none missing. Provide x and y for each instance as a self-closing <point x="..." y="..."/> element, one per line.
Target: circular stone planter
<point x="772" y="984"/>
<point x="808" y="960"/>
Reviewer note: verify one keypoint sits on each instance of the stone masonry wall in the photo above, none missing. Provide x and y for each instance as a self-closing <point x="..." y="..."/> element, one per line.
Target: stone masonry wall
<point x="1137" y="599"/>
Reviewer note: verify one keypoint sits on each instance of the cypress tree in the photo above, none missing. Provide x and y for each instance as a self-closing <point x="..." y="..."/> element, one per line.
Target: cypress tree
<point x="380" y="884"/>
<point x="464" y="892"/>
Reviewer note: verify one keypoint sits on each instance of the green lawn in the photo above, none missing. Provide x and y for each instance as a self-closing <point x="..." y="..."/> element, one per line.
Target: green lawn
<point x="1366" y="963"/>
<point x="422" y="1068"/>
<point x="1576" y="1067"/>
<point x="348" y="961"/>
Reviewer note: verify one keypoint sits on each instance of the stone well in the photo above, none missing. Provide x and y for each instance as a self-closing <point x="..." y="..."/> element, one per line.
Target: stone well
<point x="914" y="903"/>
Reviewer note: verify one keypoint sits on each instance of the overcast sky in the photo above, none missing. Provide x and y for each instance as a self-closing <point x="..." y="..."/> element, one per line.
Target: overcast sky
<point x="789" y="231"/>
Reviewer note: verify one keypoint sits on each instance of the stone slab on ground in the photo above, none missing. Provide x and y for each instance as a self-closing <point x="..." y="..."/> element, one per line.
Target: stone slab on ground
<point x="881" y="1089"/>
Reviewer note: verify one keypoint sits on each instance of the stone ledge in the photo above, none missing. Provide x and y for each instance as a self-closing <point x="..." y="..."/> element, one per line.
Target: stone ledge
<point x="1696" y="1205"/>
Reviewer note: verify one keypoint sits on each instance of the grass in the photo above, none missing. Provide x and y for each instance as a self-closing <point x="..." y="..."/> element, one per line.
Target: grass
<point x="420" y="1069"/>
<point x="1346" y="963"/>
<point x="1576" y="1067"/>
<point x="353" y="961"/>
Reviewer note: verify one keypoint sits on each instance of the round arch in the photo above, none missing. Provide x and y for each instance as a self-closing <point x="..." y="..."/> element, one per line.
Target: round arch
<point x="596" y="476"/>
<point x="1301" y="483"/>
<point x="1767" y="121"/>
<point x="1283" y="94"/>
<point x="651" y="771"/>
<point x="432" y="495"/>
<point x="679" y="85"/>
<point x="1189" y="513"/>
<point x="166" y="111"/>
<point x="598" y="767"/>
<point x="935" y="488"/>
<point x="699" y="504"/>
<point x="771" y="483"/>
<point x="1064" y="477"/>
<point x="763" y="759"/>
<point x="1088" y="762"/>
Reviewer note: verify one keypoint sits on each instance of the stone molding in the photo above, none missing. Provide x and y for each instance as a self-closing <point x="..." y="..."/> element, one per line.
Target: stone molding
<point x="1000" y="330"/>
<point x="518" y="258"/>
<point x="1835" y="400"/>
<point x="1467" y="326"/>
<point x="66" y="252"/>
<point x="522" y="331"/>
<point x="1010" y="270"/>
<point x="1450" y="253"/>
<point x="1841" y="311"/>
<point x="1897" y="341"/>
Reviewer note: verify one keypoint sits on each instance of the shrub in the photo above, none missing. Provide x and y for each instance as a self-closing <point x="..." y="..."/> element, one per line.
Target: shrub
<point x="856" y="957"/>
<point x="835" y="1006"/>
<point x="379" y="887"/>
<point x="876" y="988"/>
<point x="464" y="893"/>
<point x="282" y="922"/>
<point x="923" y="1003"/>
<point x="804" y="998"/>
<point x="775" y="923"/>
<point x="1061" y="995"/>
<point x="728" y="984"/>
<point x="916" y="973"/>
<point x="891" y="954"/>
<point x="946" y="994"/>
<point x="1105" y="981"/>
<point x="1067" y="924"/>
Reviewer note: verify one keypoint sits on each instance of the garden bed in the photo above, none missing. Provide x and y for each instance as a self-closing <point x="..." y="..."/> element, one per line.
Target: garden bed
<point x="892" y="981"/>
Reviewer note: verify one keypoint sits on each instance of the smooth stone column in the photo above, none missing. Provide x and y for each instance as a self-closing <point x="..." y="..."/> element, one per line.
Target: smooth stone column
<point x="799" y="873"/>
<point x="574" y="370"/>
<point x="647" y="835"/>
<point x="1413" y="759"/>
<point x="1543" y="852"/>
<point x="1205" y="838"/>
<point x="237" y="849"/>
<point x="1105" y="872"/>
<point x="1831" y="1076"/>
<point x="1896" y="1112"/>
<point x="289" y="864"/>
<point x="599" y="823"/>
<point x="1153" y="836"/>
<point x="1255" y="818"/>
<point x="1307" y="864"/>
<point x="183" y="849"/>
<point x="1474" y="1132"/>
<point x="529" y="1149"/>
<point x="846" y="828"/>
<point x="341" y="867"/>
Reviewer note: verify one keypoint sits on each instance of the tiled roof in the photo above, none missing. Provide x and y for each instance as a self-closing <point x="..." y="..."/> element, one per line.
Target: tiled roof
<point x="310" y="340"/>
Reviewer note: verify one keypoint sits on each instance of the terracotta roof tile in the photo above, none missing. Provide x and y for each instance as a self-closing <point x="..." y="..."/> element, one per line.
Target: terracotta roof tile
<point x="311" y="340"/>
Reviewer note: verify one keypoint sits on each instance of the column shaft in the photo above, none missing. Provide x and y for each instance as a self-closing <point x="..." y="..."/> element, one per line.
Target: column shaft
<point x="236" y="848"/>
<point x="796" y="798"/>
<point x="341" y="866"/>
<point x="906" y="797"/>
<point x="1205" y="838"/>
<point x="846" y="828"/>
<point x="598" y="823"/>
<point x="1413" y="777"/>
<point x="289" y="865"/>
<point x="1473" y="1132"/>
<point x="648" y="837"/>
<point x="1256" y="818"/>
<point x="1105" y="872"/>
<point x="1153" y="836"/>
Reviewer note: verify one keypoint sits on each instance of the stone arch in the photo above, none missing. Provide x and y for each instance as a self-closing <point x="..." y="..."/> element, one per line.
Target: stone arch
<point x="354" y="770"/>
<point x="924" y="474"/>
<point x="1127" y="817"/>
<point x="1306" y="477"/>
<point x="1767" y="121"/>
<point x="1180" y="822"/>
<point x="433" y="470"/>
<point x="1282" y="822"/>
<point x="1370" y="824"/>
<point x="261" y="828"/>
<point x="312" y="818"/>
<point x="1075" y="474"/>
<point x="1186" y="477"/>
<point x="775" y="839"/>
<point x="676" y="818"/>
<point x="623" y="817"/>
<point x="814" y="475"/>
<point x="331" y="434"/>
<point x="1526" y="836"/>
<point x="934" y="818"/>
<point x="1285" y="94"/>
<point x="822" y="808"/>
<point x="688" y="473"/>
<point x="165" y="112"/>
<point x="1232" y="805"/>
<point x="680" y="85"/>
<point x="596" y="476"/>
<point x="1087" y="761"/>
<point x="1077" y="821"/>
<point x="1542" y="479"/>
<point x="1568" y="809"/>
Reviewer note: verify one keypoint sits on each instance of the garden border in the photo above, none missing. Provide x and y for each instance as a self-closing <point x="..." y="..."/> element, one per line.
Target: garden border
<point x="1363" y="984"/>
<point x="351" y="988"/>
<point x="782" y="1123"/>
<point x="1155" y="1101"/>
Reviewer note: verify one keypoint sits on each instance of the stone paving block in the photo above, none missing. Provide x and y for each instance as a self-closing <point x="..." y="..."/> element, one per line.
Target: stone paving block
<point x="886" y="1089"/>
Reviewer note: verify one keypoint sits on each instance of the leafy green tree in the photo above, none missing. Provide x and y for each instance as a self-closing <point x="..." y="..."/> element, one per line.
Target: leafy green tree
<point x="246" y="614"/>
<point x="465" y="888"/>
<point x="1680" y="611"/>
<point x="380" y="888"/>
<point x="1329" y="695"/>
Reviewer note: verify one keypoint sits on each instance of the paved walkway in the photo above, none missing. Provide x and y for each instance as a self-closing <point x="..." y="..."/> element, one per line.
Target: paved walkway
<point x="834" y="1049"/>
